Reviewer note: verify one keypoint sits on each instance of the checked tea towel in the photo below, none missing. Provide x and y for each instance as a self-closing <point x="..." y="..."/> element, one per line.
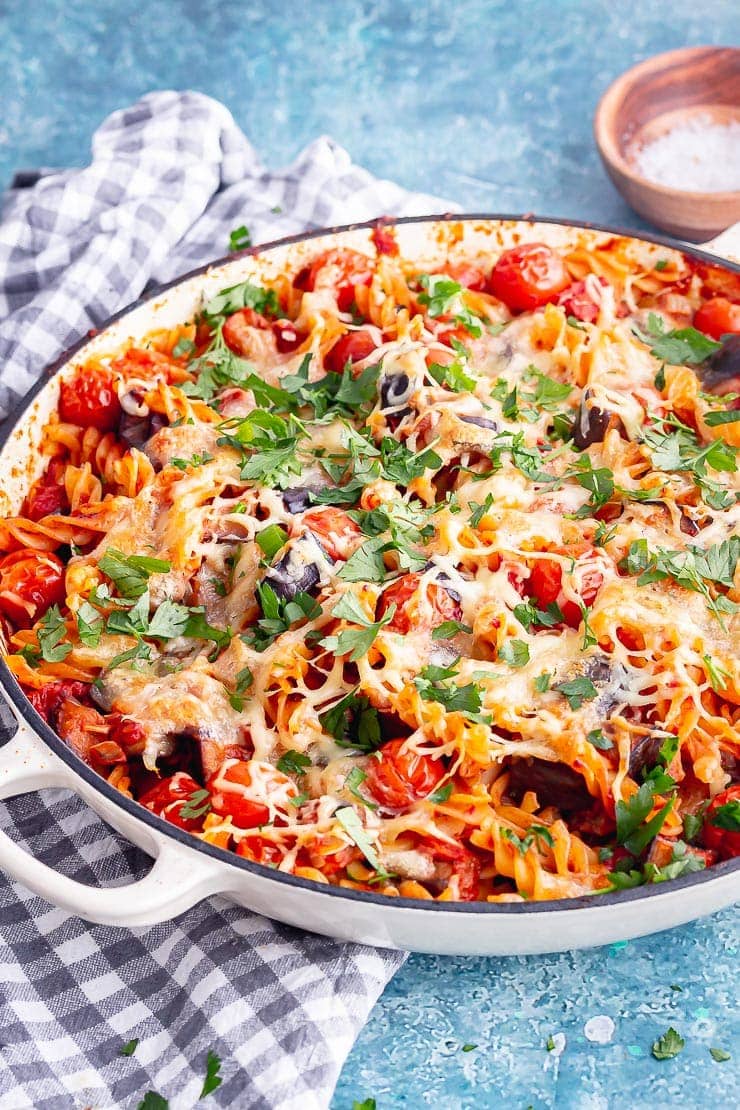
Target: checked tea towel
<point x="170" y="177"/>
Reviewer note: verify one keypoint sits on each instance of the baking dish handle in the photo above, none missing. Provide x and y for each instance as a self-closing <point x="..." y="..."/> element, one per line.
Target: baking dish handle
<point x="726" y="244"/>
<point x="179" y="878"/>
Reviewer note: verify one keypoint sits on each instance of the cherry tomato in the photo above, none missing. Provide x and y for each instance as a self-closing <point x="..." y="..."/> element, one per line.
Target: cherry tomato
<point x="167" y="797"/>
<point x="48" y="698"/>
<point x="717" y="838"/>
<point x="467" y="275"/>
<point x="544" y="586"/>
<point x="352" y="347"/>
<point x="718" y="317"/>
<point x="403" y="593"/>
<point x="464" y="866"/>
<point x="237" y="329"/>
<point x="44" y="499"/>
<point x="259" y="850"/>
<point x="247" y="812"/>
<point x="129" y="734"/>
<point x="528" y="276"/>
<point x="576" y="302"/>
<point x="334" y="529"/>
<point x="30" y="581"/>
<point x="398" y="776"/>
<point x="342" y="270"/>
<point x="90" y="400"/>
<point x="287" y="336"/>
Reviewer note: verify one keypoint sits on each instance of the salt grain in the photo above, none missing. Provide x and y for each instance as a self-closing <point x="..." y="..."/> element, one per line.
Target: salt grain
<point x="700" y="156"/>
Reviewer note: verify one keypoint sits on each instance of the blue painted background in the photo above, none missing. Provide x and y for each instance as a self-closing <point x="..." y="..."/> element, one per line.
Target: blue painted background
<point x="489" y="104"/>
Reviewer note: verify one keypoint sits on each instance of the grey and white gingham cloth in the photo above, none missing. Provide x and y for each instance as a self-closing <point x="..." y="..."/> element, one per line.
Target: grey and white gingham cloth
<point x="170" y="176"/>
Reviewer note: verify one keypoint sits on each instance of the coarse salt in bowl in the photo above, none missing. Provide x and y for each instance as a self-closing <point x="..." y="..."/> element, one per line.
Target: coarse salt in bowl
<point x="668" y="132"/>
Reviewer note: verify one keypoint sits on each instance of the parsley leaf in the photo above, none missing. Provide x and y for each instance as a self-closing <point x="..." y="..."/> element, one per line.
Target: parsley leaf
<point x="600" y="742"/>
<point x="443" y="297"/>
<point x="727" y="816"/>
<point x="153" y="1101"/>
<point x="271" y="539"/>
<point x="453" y="376"/>
<point x="130" y="573"/>
<point x="353" y="723"/>
<point x="240" y="238"/>
<point x="456" y="699"/>
<point x="50" y="634"/>
<point x="514" y="652"/>
<point x="669" y="1045"/>
<point x="542" y="682"/>
<point x="679" y="347"/>
<point x="212" y="1079"/>
<point x="278" y="615"/>
<point x="293" y="762"/>
<point x="632" y="830"/>
<point x="236" y="297"/>
<point x="355" y="642"/>
<point x="129" y="1048"/>
<point x="719" y="1054"/>
<point x="441" y="794"/>
<point x="577" y="690"/>
<point x="535" y="834"/>
<point x="89" y="624"/>
<point x="196" y="805"/>
<point x="480" y="510"/>
<point x="447" y="629"/>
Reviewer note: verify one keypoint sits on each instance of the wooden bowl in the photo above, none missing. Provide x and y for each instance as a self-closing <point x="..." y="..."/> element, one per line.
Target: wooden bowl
<point x="649" y="100"/>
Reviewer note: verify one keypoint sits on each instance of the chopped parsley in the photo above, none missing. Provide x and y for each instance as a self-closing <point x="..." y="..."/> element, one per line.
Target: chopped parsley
<point x="212" y="1078"/>
<point x="271" y="540"/>
<point x="633" y="831"/>
<point x="432" y="684"/>
<point x="599" y="741"/>
<point x="350" y="822"/>
<point x="239" y="239"/>
<point x="719" y="1055"/>
<point x="130" y="573"/>
<point x="293" y="762"/>
<point x="278" y="616"/>
<point x="535" y="835"/>
<point x="51" y="632"/>
<point x="447" y="629"/>
<point x="353" y="782"/>
<point x="129" y="1048"/>
<point x="577" y="690"/>
<point x="353" y="723"/>
<point x="443" y="297"/>
<point x="196" y="805"/>
<point x="355" y="642"/>
<point x="727" y="816"/>
<point x="680" y="346"/>
<point x="668" y="1045"/>
<point x="514" y="652"/>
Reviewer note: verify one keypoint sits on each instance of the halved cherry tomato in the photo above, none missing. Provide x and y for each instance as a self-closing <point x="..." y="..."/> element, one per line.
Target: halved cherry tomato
<point x="167" y="798"/>
<point x="402" y="593"/>
<point x="718" y="317"/>
<point x="352" y="347"/>
<point x="528" y="276"/>
<point x="464" y="866"/>
<point x="342" y="270"/>
<point x="30" y="581"/>
<point x="334" y="529"/>
<point x="48" y="698"/>
<point x="544" y="585"/>
<point x="259" y="850"/>
<point x="90" y="400"/>
<point x="44" y="499"/>
<point x="724" y="841"/>
<point x="576" y="302"/>
<point x="398" y="776"/>
<point x="287" y="336"/>
<point x="246" y="812"/>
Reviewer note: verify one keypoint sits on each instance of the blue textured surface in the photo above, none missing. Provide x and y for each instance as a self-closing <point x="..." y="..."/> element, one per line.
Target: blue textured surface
<point x="489" y="104"/>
